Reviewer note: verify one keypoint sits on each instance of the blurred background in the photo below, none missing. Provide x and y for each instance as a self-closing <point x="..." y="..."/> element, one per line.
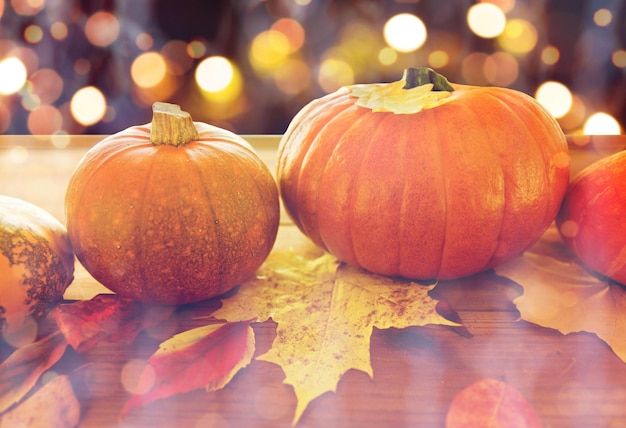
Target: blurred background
<point x="71" y="67"/>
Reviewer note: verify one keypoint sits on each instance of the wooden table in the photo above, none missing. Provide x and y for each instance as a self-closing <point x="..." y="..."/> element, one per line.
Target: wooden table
<point x="571" y="381"/>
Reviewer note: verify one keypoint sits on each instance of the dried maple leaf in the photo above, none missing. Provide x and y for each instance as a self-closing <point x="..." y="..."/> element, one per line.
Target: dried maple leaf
<point x="560" y="294"/>
<point x="207" y="356"/>
<point x="106" y="317"/>
<point x="21" y="370"/>
<point x="326" y="312"/>
<point x="53" y="404"/>
<point x="491" y="403"/>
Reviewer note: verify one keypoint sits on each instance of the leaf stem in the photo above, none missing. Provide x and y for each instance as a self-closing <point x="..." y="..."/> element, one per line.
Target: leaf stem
<point x="418" y="76"/>
<point x="171" y="125"/>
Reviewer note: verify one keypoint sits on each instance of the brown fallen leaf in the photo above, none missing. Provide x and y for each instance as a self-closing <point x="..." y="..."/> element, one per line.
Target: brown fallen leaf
<point x="559" y="293"/>
<point x="326" y="312"/>
<point x="106" y="317"/>
<point x="21" y="370"/>
<point x="564" y="297"/>
<point x="54" y="404"/>
<point x="204" y="357"/>
<point x="491" y="403"/>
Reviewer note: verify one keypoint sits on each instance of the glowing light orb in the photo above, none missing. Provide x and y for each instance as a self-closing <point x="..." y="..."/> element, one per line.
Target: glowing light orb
<point x="602" y="17"/>
<point x="214" y="73"/>
<point x="59" y="30"/>
<point x="13" y="72"/>
<point x="486" y="20"/>
<point x="387" y="56"/>
<point x="555" y="97"/>
<point x="269" y="49"/>
<point x="601" y="123"/>
<point x="148" y="69"/>
<point x="550" y="55"/>
<point x="293" y="30"/>
<point x="438" y="59"/>
<point x="405" y="32"/>
<point x="33" y="34"/>
<point x="334" y="73"/>
<point x="519" y="37"/>
<point x="102" y="29"/>
<point x="219" y="79"/>
<point x="88" y="105"/>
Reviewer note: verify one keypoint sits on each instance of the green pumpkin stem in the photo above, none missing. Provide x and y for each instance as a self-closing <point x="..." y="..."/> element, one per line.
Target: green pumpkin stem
<point x="418" y="76"/>
<point x="171" y="125"/>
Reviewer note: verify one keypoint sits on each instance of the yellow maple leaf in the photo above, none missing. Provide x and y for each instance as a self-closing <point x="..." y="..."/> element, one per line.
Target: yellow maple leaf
<point x="392" y="97"/>
<point x="326" y="312"/>
<point x="559" y="293"/>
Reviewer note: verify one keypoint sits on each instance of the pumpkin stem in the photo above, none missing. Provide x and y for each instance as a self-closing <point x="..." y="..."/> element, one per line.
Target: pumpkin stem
<point x="418" y="76"/>
<point x="171" y="125"/>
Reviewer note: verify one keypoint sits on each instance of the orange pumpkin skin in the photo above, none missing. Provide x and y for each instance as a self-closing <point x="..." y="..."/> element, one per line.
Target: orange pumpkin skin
<point x="172" y="225"/>
<point x="36" y="264"/>
<point x="444" y="193"/>
<point x="592" y="219"/>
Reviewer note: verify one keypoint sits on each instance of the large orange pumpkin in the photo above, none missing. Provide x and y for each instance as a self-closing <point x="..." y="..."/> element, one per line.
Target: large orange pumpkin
<point x="592" y="219"/>
<point x="423" y="179"/>
<point x="172" y="212"/>
<point x="36" y="267"/>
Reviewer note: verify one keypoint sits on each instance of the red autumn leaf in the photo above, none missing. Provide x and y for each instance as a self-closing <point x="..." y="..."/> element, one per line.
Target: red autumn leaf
<point x="206" y="357"/>
<point x="491" y="403"/>
<point x="21" y="370"/>
<point x="55" y="403"/>
<point x="106" y="317"/>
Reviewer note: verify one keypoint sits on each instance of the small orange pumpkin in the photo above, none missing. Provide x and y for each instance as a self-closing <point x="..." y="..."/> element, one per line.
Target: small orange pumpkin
<point x="172" y="212"/>
<point x="36" y="267"/>
<point x="422" y="178"/>
<point x="592" y="219"/>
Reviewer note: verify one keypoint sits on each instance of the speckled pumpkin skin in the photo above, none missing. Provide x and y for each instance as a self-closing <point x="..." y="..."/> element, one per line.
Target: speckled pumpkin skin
<point x="444" y="193"/>
<point x="172" y="225"/>
<point x="36" y="263"/>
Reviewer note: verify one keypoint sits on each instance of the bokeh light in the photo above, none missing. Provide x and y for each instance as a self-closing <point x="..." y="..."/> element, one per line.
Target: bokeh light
<point x="214" y="74"/>
<point x="505" y="5"/>
<point x="196" y="49"/>
<point x="44" y="120"/>
<point x="58" y="30"/>
<point x="144" y="41"/>
<point x="486" y="20"/>
<point x="387" y="55"/>
<point x="28" y="7"/>
<point x="88" y="105"/>
<point x="519" y="37"/>
<point x="219" y="79"/>
<point x="33" y="34"/>
<point x="602" y="17"/>
<point x="501" y="69"/>
<point x="619" y="58"/>
<point x="550" y="55"/>
<point x="13" y="72"/>
<point x="175" y="54"/>
<point x="102" y="29"/>
<point x="601" y="123"/>
<point x="268" y="50"/>
<point x="333" y="74"/>
<point x="47" y="85"/>
<point x="293" y="77"/>
<point x="438" y="59"/>
<point x="555" y="97"/>
<point x="292" y="30"/>
<point x="274" y="59"/>
<point x="405" y="32"/>
<point x="148" y="69"/>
